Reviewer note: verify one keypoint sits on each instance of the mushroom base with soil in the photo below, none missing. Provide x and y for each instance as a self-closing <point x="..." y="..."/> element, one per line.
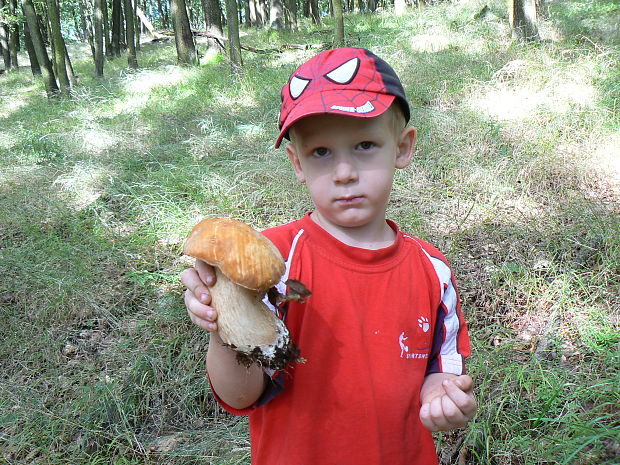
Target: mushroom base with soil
<point x="249" y="327"/>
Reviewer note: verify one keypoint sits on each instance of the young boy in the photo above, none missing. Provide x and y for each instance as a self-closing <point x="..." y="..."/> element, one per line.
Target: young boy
<point x="383" y="335"/>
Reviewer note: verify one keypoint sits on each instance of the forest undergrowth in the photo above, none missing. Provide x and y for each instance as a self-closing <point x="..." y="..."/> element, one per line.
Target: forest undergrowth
<point x="516" y="178"/>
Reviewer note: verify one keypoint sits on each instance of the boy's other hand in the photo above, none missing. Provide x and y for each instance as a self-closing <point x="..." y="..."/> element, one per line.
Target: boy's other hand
<point x="452" y="408"/>
<point x="197" y="296"/>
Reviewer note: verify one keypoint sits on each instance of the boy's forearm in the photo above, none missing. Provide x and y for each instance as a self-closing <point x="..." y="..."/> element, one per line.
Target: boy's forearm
<point x="235" y="384"/>
<point x="432" y="386"/>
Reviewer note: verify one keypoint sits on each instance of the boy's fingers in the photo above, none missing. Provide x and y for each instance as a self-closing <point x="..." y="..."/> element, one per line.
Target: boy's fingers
<point x="201" y="315"/>
<point x="206" y="272"/>
<point x="196" y="285"/>
<point x="464" y="382"/>
<point x="462" y="400"/>
<point x="425" y="417"/>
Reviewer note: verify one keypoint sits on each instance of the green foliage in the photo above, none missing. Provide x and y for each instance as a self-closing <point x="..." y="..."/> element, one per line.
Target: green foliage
<point x="513" y="178"/>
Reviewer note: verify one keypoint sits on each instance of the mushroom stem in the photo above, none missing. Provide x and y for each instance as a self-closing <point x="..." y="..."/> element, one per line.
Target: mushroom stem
<point x="248" y="326"/>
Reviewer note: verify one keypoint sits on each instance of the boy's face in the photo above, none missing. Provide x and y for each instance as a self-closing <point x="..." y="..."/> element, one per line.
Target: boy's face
<point x="348" y="164"/>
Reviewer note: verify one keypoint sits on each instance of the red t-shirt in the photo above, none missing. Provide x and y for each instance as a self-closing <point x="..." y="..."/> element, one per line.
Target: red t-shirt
<point x="378" y="321"/>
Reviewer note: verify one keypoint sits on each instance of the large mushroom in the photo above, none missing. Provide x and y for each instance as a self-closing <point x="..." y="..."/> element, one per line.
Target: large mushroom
<point x="247" y="265"/>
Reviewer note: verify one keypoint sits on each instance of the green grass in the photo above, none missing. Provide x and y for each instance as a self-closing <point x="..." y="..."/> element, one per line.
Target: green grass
<point x="515" y="177"/>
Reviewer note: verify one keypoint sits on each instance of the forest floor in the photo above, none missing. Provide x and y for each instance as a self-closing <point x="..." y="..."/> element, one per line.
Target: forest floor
<point x="516" y="178"/>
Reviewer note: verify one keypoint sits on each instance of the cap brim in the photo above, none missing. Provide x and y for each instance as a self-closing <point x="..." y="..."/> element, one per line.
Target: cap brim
<point x="354" y="103"/>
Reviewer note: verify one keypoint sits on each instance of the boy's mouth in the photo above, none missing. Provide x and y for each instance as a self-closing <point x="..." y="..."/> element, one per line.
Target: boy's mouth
<point x="350" y="200"/>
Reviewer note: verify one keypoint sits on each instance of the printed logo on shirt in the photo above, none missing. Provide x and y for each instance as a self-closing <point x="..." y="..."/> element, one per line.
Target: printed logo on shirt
<point x="404" y="345"/>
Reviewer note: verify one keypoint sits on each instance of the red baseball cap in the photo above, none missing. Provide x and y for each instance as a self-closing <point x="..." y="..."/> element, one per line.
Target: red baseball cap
<point x="344" y="81"/>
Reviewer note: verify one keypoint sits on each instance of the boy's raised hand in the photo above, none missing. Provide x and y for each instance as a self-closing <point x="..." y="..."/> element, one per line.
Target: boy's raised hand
<point x="197" y="296"/>
<point x="450" y="409"/>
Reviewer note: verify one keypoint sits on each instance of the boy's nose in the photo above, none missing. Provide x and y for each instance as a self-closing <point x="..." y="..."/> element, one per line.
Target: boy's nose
<point x="344" y="171"/>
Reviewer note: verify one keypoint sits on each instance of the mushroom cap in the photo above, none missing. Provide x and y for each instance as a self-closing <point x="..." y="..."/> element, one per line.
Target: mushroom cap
<point x="240" y="252"/>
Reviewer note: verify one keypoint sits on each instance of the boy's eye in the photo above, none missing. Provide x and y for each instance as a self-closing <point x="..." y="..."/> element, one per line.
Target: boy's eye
<point x="320" y="152"/>
<point x="366" y="145"/>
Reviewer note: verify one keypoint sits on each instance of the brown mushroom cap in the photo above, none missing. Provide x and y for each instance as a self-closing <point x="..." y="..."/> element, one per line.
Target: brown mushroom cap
<point x="243" y="254"/>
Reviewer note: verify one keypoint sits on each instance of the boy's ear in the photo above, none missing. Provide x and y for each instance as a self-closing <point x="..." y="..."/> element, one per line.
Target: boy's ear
<point x="292" y="155"/>
<point x="406" y="146"/>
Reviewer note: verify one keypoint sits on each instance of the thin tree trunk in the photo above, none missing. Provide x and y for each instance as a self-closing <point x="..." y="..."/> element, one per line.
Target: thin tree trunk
<point x="339" y="23"/>
<point x="136" y="24"/>
<point x="32" y="54"/>
<point x="87" y="27"/>
<point x="13" y="35"/>
<point x="69" y="67"/>
<point x="106" y="29"/>
<point x="213" y="22"/>
<point x="4" y="42"/>
<point x="183" y="37"/>
<point x="117" y="18"/>
<point x="524" y="19"/>
<point x="290" y="14"/>
<point x="233" y="35"/>
<point x="162" y="16"/>
<point x="49" y="79"/>
<point x="98" y="24"/>
<point x="59" y="47"/>
<point x="314" y="11"/>
<point x="276" y="15"/>
<point x="132" y="60"/>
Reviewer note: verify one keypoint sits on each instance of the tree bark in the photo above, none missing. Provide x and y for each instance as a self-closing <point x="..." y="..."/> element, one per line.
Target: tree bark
<point x="276" y="15"/>
<point x="314" y="11"/>
<point x="106" y="29"/>
<point x="4" y="42"/>
<point x="49" y="79"/>
<point x="162" y="16"/>
<point x="339" y="23"/>
<point x="132" y="60"/>
<point x="13" y="35"/>
<point x="213" y="21"/>
<point x="32" y="54"/>
<point x="524" y="19"/>
<point x="234" y="43"/>
<point x="290" y="14"/>
<point x="59" y="48"/>
<point x="98" y="24"/>
<point x="183" y="37"/>
<point x="87" y="27"/>
<point x="117" y="17"/>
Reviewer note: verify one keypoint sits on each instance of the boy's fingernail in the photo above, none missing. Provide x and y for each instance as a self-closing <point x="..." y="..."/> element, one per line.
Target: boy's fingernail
<point x="210" y="315"/>
<point x="204" y="298"/>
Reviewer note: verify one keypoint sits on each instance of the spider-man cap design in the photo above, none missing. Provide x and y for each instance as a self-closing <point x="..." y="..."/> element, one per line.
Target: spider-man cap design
<point x="344" y="81"/>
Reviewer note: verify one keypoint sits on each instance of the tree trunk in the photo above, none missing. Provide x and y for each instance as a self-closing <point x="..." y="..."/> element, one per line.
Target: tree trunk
<point x="136" y="24"/>
<point x="132" y="60"/>
<point x="106" y="29"/>
<point x="32" y="54"/>
<point x="262" y="11"/>
<point x="290" y="14"/>
<point x="524" y="19"/>
<point x="98" y="24"/>
<point x="276" y="15"/>
<point x="162" y="16"/>
<point x="339" y="23"/>
<point x="248" y="16"/>
<point x="117" y="17"/>
<point x="252" y="13"/>
<point x="148" y="25"/>
<point x="49" y="79"/>
<point x="87" y="28"/>
<point x="4" y="42"/>
<point x="314" y="11"/>
<point x="69" y="67"/>
<point x="213" y="21"/>
<point x="183" y="37"/>
<point x="13" y="35"/>
<point x="233" y="35"/>
<point x="59" y="47"/>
